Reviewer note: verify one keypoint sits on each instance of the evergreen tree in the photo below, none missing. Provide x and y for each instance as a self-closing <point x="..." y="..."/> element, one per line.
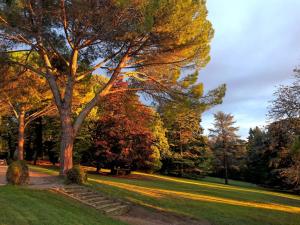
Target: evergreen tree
<point x="225" y="144"/>
<point x="257" y="160"/>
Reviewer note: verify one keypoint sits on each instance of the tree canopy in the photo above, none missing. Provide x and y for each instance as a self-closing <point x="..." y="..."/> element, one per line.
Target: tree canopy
<point x="144" y="43"/>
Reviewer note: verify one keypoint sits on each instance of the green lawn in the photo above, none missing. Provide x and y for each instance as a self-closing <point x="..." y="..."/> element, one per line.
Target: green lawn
<point x="23" y="206"/>
<point x="237" y="204"/>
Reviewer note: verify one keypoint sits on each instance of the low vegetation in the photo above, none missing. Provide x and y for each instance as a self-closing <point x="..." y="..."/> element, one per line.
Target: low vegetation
<point x="17" y="173"/>
<point x="76" y="175"/>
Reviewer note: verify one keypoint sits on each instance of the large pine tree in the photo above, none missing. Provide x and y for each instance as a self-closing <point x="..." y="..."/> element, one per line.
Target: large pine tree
<point x="225" y="142"/>
<point x="145" y="43"/>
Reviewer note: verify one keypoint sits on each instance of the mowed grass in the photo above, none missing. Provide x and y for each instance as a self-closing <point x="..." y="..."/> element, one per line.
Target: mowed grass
<point x="23" y="206"/>
<point x="237" y="204"/>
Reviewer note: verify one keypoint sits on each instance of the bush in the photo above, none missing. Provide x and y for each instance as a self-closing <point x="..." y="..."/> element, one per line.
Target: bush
<point x="17" y="173"/>
<point x="76" y="175"/>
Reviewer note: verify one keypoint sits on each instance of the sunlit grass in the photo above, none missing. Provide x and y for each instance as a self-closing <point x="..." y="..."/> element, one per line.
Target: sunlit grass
<point x="221" y="186"/>
<point x="160" y="193"/>
<point x="23" y="206"/>
<point x="218" y="203"/>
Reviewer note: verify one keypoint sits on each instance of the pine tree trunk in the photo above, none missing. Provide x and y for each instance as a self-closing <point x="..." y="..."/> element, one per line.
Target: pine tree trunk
<point x="226" y="168"/>
<point x="21" y="133"/>
<point x="67" y="143"/>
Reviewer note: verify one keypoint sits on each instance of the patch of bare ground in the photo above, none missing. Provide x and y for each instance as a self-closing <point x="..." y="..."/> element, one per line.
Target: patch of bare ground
<point x="43" y="181"/>
<point x="37" y="180"/>
<point x="141" y="216"/>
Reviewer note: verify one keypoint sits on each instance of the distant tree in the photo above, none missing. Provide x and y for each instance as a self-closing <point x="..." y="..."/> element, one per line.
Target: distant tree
<point x="281" y="138"/>
<point x="257" y="160"/>
<point x="225" y="141"/>
<point x="283" y="132"/>
<point x="145" y="43"/>
<point x="189" y="151"/>
<point x="189" y="148"/>
<point x="291" y="174"/>
<point x="286" y="102"/>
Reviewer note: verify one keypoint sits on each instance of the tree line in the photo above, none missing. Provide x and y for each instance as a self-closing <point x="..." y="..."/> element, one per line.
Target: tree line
<point x="271" y="155"/>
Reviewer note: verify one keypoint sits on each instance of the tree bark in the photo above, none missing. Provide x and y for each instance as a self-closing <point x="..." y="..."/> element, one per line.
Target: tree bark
<point x="67" y="142"/>
<point x="21" y="133"/>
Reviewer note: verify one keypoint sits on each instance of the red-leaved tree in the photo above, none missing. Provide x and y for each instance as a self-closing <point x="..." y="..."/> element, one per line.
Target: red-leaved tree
<point x="123" y="137"/>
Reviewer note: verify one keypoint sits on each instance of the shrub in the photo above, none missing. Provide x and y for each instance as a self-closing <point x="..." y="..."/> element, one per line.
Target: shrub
<point x="17" y="173"/>
<point x="76" y="175"/>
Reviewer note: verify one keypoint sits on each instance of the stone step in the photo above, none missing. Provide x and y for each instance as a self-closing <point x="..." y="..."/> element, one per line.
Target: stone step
<point x="74" y="187"/>
<point x="96" y="198"/>
<point x="108" y="205"/>
<point x="103" y="202"/>
<point x="84" y="194"/>
<point x="70" y="190"/>
<point x="118" y="210"/>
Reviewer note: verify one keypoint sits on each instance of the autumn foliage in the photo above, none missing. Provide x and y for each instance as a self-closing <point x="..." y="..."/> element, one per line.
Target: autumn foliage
<point x="123" y="137"/>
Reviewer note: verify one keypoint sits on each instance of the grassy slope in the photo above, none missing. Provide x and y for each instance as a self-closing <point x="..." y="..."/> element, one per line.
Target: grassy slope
<point x="237" y="204"/>
<point x="22" y="206"/>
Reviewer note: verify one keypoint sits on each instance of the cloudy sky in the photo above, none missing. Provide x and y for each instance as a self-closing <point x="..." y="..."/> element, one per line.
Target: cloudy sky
<point x="255" y="48"/>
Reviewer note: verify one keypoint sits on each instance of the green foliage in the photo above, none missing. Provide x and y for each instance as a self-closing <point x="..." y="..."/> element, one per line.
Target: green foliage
<point x="17" y="173"/>
<point x="190" y="154"/>
<point x="273" y="157"/>
<point x="295" y="148"/>
<point x="291" y="174"/>
<point x="76" y="175"/>
<point x="160" y="140"/>
<point x="257" y="160"/>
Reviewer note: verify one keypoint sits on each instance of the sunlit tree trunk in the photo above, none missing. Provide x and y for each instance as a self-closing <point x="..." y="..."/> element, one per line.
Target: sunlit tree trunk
<point x="21" y="132"/>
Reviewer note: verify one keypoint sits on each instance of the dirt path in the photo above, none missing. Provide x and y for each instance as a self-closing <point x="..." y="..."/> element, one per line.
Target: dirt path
<point x="37" y="180"/>
<point x="141" y="216"/>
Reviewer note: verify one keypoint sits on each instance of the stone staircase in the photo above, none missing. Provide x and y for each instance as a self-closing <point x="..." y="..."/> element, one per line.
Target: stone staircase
<point x="94" y="199"/>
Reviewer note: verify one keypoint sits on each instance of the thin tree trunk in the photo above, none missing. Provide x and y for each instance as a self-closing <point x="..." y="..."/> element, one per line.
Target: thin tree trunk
<point x="67" y="143"/>
<point x="181" y="164"/>
<point x="181" y="154"/>
<point x="21" y="131"/>
<point x="225" y="168"/>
